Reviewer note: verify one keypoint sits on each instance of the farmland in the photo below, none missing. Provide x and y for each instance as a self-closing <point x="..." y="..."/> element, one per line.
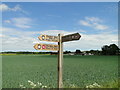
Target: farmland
<point x="78" y="71"/>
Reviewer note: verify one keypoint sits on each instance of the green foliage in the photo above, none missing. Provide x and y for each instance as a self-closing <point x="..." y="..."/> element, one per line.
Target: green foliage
<point x="110" y="50"/>
<point x="77" y="52"/>
<point x="78" y="71"/>
<point x="112" y="84"/>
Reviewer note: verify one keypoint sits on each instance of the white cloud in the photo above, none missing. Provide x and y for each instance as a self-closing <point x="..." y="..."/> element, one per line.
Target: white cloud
<point x="55" y="32"/>
<point x="116" y="40"/>
<point x="2" y="35"/>
<point x="4" y="7"/>
<point x="7" y="21"/>
<point x="17" y="32"/>
<point x="88" y="42"/>
<point x="21" y="22"/>
<point x="25" y="40"/>
<point x="93" y="22"/>
<point x="93" y="19"/>
<point x="17" y="40"/>
<point x="100" y="27"/>
<point x="85" y="23"/>
<point x="16" y="8"/>
<point x="82" y="31"/>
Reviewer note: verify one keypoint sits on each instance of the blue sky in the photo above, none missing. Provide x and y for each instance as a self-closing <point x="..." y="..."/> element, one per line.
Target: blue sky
<point x="60" y="1"/>
<point x="23" y="22"/>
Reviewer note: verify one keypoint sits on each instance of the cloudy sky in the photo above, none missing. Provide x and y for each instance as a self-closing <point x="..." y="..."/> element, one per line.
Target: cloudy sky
<point x="23" y="22"/>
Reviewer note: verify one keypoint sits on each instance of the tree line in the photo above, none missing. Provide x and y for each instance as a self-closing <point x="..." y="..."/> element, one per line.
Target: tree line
<point x="111" y="49"/>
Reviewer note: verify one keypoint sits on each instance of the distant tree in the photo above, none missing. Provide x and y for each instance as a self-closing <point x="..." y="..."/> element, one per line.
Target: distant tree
<point x="110" y="50"/>
<point x="113" y="49"/>
<point x="78" y="52"/>
<point x="67" y="52"/>
<point x="95" y="52"/>
<point x="105" y="50"/>
<point x="92" y="51"/>
<point x="87" y="52"/>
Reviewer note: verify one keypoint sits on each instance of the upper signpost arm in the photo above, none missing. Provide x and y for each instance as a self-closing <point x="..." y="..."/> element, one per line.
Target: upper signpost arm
<point x="71" y="37"/>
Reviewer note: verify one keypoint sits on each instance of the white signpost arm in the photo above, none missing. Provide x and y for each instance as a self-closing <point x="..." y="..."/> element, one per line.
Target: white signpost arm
<point x="60" y="61"/>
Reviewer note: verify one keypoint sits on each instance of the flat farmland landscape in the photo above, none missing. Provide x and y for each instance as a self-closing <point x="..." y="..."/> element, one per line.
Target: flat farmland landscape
<point x="78" y="71"/>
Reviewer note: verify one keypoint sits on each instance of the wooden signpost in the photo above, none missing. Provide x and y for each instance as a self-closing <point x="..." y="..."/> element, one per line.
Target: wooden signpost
<point x="60" y="39"/>
<point x="60" y="61"/>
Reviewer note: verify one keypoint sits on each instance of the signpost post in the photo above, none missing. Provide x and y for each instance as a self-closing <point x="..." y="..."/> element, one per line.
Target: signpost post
<point x="60" y="61"/>
<point x="60" y="39"/>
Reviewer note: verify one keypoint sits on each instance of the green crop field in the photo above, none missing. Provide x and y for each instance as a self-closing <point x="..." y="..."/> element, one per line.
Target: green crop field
<point x="78" y="71"/>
